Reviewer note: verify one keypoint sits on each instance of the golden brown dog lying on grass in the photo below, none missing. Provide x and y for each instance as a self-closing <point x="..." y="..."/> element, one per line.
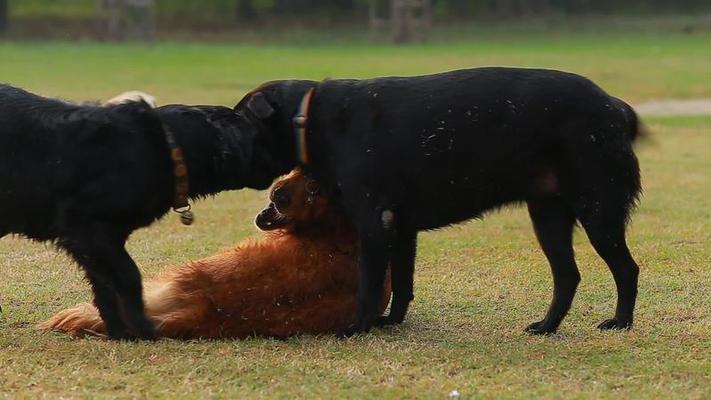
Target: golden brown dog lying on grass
<point x="301" y="277"/>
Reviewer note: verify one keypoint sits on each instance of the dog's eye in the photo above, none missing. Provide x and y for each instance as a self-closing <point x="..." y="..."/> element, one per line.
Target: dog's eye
<point x="281" y="197"/>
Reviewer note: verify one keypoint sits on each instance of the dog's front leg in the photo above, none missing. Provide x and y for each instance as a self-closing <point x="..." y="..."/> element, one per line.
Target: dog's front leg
<point x="115" y="280"/>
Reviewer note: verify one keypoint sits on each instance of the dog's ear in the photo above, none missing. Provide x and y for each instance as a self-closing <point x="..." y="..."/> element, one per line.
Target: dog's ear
<point x="259" y="105"/>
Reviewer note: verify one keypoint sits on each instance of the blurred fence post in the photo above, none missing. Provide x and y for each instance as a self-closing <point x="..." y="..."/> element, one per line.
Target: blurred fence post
<point x="129" y="18"/>
<point x="410" y="20"/>
<point x="407" y="20"/>
<point x="245" y="10"/>
<point x="398" y="21"/>
<point x="3" y="16"/>
<point x="113" y="17"/>
<point x="425" y="19"/>
<point x="375" y="20"/>
<point x="144" y="23"/>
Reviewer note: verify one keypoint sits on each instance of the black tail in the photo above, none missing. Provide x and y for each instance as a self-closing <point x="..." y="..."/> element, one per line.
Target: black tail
<point x="638" y="129"/>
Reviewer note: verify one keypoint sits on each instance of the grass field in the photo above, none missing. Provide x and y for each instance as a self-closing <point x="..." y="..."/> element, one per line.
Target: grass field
<point x="477" y="285"/>
<point x="637" y="66"/>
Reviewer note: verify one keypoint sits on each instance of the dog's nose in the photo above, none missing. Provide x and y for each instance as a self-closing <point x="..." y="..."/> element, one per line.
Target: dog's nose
<point x="281" y="197"/>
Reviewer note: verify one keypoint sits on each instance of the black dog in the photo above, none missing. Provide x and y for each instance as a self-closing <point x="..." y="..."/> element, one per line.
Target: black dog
<point x="86" y="177"/>
<point x="411" y="154"/>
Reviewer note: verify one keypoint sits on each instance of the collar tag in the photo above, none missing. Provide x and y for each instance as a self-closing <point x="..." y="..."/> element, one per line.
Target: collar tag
<point x="181" y="205"/>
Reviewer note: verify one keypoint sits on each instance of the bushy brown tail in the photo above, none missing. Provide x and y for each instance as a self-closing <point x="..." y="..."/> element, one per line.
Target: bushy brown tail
<point x="80" y="320"/>
<point x="160" y="298"/>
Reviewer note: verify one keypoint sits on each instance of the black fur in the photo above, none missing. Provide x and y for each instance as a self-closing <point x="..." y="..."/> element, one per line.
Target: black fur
<point x="419" y="153"/>
<point x="86" y="177"/>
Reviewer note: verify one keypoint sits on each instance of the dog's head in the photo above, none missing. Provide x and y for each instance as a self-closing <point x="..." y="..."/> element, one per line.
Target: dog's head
<point x="216" y="137"/>
<point x="297" y="202"/>
<point x="269" y="111"/>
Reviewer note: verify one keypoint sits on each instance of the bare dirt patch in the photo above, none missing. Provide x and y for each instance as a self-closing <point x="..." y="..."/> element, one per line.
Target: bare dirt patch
<point x="671" y="107"/>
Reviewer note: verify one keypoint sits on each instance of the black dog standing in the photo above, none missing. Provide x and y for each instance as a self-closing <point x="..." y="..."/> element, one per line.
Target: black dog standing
<point x="86" y="177"/>
<point x="411" y="154"/>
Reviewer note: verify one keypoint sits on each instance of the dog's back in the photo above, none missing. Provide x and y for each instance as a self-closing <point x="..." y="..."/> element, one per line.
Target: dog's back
<point x="469" y="140"/>
<point x="55" y="154"/>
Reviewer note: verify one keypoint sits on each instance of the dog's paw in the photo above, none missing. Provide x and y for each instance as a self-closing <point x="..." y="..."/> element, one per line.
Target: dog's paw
<point x="382" y="322"/>
<point x="144" y="334"/>
<point x="386" y="321"/>
<point x="132" y="335"/>
<point x="540" y="328"/>
<point x="348" y="332"/>
<point x="615" y="323"/>
<point x="352" y="331"/>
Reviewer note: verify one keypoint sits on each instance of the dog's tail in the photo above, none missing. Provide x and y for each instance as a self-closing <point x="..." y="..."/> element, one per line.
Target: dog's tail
<point x="638" y="130"/>
<point x="132" y="96"/>
<point x="80" y="320"/>
<point x="84" y="319"/>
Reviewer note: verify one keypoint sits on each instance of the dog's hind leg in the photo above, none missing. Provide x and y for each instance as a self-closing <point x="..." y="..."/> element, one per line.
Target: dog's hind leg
<point x="607" y="235"/>
<point x="402" y="268"/>
<point x="553" y="221"/>
<point x="116" y="283"/>
<point x="375" y="240"/>
<point x="609" y="187"/>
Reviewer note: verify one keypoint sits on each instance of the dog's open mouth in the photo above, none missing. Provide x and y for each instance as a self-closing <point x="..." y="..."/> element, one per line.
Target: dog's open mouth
<point x="270" y="218"/>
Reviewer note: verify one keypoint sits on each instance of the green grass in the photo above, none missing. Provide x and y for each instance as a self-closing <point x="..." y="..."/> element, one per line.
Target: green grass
<point x="477" y="284"/>
<point x="635" y="66"/>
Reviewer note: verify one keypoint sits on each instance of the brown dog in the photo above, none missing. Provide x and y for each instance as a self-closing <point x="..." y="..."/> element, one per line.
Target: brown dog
<point x="301" y="277"/>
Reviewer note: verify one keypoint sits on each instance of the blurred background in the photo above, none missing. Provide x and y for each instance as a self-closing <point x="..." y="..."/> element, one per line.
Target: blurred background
<point x="398" y="20"/>
<point x="641" y="50"/>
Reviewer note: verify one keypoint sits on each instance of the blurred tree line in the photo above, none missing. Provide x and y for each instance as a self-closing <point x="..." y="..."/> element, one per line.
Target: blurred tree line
<point x="225" y="14"/>
<point x="3" y="15"/>
<point x="248" y="10"/>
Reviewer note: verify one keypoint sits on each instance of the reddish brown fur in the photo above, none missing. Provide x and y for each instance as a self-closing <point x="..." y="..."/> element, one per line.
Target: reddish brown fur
<point x="300" y="278"/>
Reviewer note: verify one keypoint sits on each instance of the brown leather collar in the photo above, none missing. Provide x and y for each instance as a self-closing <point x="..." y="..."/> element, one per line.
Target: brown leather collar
<point x="180" y="172"/>
<point x="301" y="121"/>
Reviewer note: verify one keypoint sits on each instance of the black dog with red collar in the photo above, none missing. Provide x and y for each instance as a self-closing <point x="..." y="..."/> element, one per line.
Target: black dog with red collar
<point x="407" y="154"/>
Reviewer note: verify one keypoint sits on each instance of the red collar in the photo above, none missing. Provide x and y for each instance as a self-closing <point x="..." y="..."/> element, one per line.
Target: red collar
<point x="301" y="126"/>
